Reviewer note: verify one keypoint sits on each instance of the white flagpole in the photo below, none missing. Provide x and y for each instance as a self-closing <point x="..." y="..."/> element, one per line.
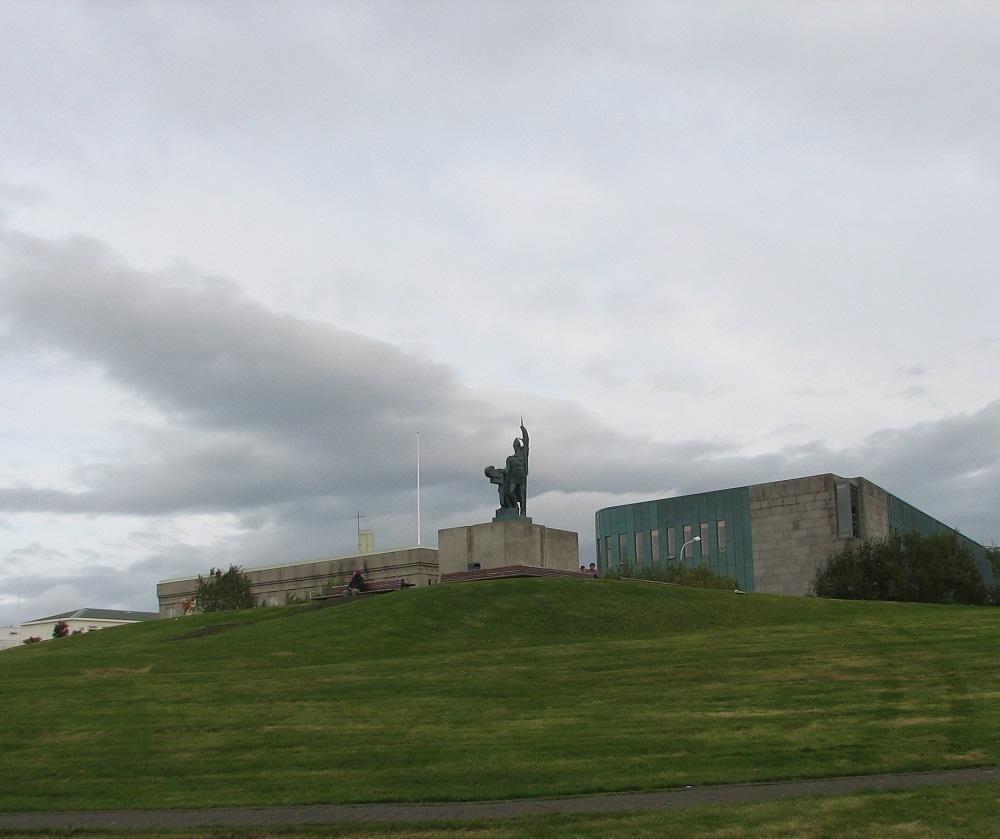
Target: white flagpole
<point x="418" y="489"/>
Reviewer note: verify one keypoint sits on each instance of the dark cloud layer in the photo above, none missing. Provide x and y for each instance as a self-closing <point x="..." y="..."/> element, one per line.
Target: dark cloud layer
<point x="266" y="409"/>
<point x="703" y="220"/>
<point x="295" y="424"/>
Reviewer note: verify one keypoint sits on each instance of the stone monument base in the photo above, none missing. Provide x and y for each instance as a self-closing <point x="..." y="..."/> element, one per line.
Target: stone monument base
<point x="509" y="514"/>
<point x="504" y="542"/>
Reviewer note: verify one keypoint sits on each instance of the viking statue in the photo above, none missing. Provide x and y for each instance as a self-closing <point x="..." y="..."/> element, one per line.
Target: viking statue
<point x="512" y="481"/>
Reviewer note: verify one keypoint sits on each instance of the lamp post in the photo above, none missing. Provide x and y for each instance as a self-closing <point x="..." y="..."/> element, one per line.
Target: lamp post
<point x="680" y="558"/>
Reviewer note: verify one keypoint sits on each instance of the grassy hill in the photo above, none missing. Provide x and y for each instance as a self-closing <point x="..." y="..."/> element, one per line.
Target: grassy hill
<point x="513" y="688"/>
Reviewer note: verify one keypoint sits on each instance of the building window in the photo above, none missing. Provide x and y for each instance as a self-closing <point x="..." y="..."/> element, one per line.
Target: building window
<point x="623" y="549"/>
<point x="654" y="541"/>
<point x="686" y="533"/>
<point x="848" y="500"/>
<point x="720" y="534"/>
<point x="703" y="544"/>
<point x="607" y="552"/>
<point x="671" y="542"/>
<point x="639" y="557"/>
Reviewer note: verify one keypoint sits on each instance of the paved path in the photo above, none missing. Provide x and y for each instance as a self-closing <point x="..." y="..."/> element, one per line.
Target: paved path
<point x="669" y="799"/>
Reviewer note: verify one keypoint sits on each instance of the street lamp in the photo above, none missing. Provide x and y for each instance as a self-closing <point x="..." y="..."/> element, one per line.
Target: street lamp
<point x="680" y="559"/>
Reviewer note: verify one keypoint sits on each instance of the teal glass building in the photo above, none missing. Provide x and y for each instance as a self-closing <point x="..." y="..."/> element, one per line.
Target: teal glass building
<point x="768" y="537"/>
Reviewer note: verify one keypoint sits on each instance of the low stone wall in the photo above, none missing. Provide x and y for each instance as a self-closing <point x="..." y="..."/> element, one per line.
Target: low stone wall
<point x="275" y="585"/>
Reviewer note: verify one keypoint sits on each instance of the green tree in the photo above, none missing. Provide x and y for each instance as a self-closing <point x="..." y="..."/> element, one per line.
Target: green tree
<point x="904" y="567"/>
<point x="222" y="591"/>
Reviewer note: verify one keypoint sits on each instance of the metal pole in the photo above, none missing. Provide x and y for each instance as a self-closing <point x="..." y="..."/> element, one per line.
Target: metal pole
<point x="418" y="489"/>
<point x="680" y="558"/>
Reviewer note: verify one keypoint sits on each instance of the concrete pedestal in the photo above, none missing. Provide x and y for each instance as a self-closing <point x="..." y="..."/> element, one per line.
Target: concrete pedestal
<point x="506" y="542"/>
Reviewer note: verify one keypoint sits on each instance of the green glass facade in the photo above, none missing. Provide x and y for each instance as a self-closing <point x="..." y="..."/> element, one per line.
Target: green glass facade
<point x="798" y="523"/>
<point x="632" y="533"/>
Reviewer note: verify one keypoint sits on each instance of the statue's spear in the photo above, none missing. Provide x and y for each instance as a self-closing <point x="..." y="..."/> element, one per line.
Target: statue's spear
<point x="524" y="436"/>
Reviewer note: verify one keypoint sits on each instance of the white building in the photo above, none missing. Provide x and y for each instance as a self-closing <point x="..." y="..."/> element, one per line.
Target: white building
<point x="8" y="637"/>
<point x="81" y="620"/>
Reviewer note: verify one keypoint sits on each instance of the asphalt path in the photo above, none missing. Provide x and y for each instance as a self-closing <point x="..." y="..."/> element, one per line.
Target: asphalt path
<point x="630" y="802"/>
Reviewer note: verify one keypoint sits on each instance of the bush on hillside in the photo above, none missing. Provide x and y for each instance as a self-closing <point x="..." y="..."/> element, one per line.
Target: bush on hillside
<point x="905" y="567"/>
<point x="696" y="577"/>
<point x="224" y="591"/>
<point x="34" y="639"/>
<point x="60" y="630"/>
<point x="993" y="558"/>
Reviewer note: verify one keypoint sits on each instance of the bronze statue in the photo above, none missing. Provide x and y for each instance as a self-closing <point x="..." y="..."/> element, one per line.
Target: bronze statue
<point x="512" y="481"/>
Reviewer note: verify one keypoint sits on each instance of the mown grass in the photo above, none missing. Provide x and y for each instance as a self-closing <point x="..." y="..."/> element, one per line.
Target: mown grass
<point x="492" y="690"/>
<point x="952" y="812"/>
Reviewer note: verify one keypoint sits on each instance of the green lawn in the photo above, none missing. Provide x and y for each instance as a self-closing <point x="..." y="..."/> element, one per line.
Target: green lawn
<point x="491" y="690"/>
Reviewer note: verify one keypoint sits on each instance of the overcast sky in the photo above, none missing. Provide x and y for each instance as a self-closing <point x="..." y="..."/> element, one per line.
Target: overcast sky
<point x="248" y="250"/>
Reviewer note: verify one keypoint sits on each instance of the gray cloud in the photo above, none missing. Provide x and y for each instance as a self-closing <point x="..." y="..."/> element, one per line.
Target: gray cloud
<point x="261" y="406"/>
<point x="266" y="409"/>
<point x="910" y="371"/>
<point x="913" y="392"/>
<point x="661" y="216"/>
<point x="303" y="421"/>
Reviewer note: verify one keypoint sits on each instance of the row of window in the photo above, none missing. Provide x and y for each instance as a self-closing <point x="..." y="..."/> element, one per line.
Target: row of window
<point x="699" y="549"/>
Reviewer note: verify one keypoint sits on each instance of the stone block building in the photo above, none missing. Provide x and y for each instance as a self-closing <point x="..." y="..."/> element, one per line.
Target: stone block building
<point x="769" y="537"/>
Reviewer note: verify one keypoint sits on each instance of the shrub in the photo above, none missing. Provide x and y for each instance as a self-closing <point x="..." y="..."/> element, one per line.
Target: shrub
<point x="696" y="577"/>
<point x="224" y="591"/>
<point x="904" y="567"/>
<point x="34" y="639"/>
<point x="60" y="630"/>
<point x="993" y="558"/>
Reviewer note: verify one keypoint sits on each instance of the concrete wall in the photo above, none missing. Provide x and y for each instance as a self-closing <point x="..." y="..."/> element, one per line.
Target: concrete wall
<point x="506" y="542"/>
<point x="793" y="528"/>
<point x="274" y="585"/>
<point x="874" y="509"/>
